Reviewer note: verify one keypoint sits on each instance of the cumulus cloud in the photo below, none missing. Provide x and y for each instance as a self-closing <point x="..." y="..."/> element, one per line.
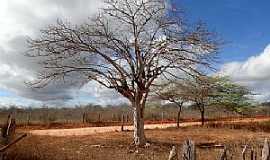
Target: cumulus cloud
<point x="103" y="95"/>
<point x="22" y="18"/>
<point x="254" y="73"/>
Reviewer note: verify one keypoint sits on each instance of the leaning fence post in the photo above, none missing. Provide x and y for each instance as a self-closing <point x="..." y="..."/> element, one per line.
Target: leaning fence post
<point x="189" y="151"/>
<point x="173" y="154"/>
<point x="244" y="152"/>
<point x="265" y="150"/>
<point x="8" y="130"/>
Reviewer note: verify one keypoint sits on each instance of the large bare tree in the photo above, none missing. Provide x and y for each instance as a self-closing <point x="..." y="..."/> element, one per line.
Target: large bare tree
<point x="127" y="46"/>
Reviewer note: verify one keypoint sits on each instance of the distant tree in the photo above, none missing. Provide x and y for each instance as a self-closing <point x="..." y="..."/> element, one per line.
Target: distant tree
<point x="199" y="90"/>
<point x="172" y="93"/>
<point x="230" y="94"/>
<point x="126" y="47"/>
<point x="206" y="91"/>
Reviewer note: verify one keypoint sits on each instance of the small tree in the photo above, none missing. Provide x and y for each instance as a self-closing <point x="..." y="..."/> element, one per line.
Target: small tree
<point x="194" y="89"/>
<point x="126" y="47"/>
<point x="231" y="95"/>
<point x="205" y="91"/>
<point x="199" y="90"/>
<point x="173" y="93"/>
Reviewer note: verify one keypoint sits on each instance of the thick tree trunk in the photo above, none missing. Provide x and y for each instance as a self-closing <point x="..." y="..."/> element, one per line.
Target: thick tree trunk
<point x="139" y="136"/>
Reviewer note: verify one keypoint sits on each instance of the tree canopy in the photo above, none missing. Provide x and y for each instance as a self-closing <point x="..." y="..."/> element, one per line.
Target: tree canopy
<point x="231" y="95"/>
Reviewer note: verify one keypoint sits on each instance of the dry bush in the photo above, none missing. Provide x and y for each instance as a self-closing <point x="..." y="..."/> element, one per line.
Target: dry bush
<point x="252" y="126"/>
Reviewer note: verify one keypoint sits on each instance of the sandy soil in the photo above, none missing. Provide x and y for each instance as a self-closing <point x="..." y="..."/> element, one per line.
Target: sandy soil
<point x="117" y="145"/>
<point x="94" y="130"/>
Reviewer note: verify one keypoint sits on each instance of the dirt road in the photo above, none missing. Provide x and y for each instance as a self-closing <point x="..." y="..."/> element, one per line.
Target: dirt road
<point x="94" y="130"/>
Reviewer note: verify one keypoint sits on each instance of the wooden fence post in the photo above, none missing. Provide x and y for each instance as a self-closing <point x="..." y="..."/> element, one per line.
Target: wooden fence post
<point x="173" y="154"/>
<point x="29" y="118"/>
<point x="265" y="150"/>
<point x="113" y="117"/>
<point x="127" y="118"/>
<point x="189" y="151"/>
<point x="253" y="154"/>
<point x="119" y="117"/>
<point x="224" y="154"/>
<point x="84" y="117"/>
<point x="123" y="121"/>
<point x="99" y="117"/>
<point x="8" y="130"/>
<point x="244" y="152"/>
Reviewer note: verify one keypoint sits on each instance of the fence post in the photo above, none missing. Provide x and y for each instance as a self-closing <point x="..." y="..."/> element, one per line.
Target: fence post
<point x="244" y="153"/>
<point x="127" y="118"/>
<point x="84" y="117"/>
<point x="173" y="154"/>
<point x="8" y="130"/>
<point x="123" y="121"/>
<point x="265" y="150"/>
<point x="99" y="117"/>
<point x="253" y="154"/>
<point x="189" y="151"/>
<point x="28" y="118"/>
<point x="224" y="154"/>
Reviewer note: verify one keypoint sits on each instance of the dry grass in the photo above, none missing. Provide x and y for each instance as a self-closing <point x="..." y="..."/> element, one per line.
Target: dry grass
<point x="115" y="146"/>
<point x="252" y="126"/>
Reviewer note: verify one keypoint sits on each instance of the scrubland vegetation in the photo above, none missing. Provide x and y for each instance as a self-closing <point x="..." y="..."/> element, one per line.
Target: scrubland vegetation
<point x="92" y="114"/>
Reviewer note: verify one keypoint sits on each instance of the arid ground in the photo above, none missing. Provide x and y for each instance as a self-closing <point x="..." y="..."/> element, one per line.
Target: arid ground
<point x="93" y="130"/>
<point x="115" y="145"/>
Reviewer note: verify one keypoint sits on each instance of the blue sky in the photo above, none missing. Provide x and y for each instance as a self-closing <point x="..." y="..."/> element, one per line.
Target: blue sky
<point x="242" y="24"/>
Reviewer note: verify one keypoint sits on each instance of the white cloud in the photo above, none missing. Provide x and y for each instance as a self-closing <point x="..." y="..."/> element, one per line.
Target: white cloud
<point x="18" y="101"/>
<point x="254" y="73"/>
<point x="103" y="95"/>
<point x="21" y="18"/>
